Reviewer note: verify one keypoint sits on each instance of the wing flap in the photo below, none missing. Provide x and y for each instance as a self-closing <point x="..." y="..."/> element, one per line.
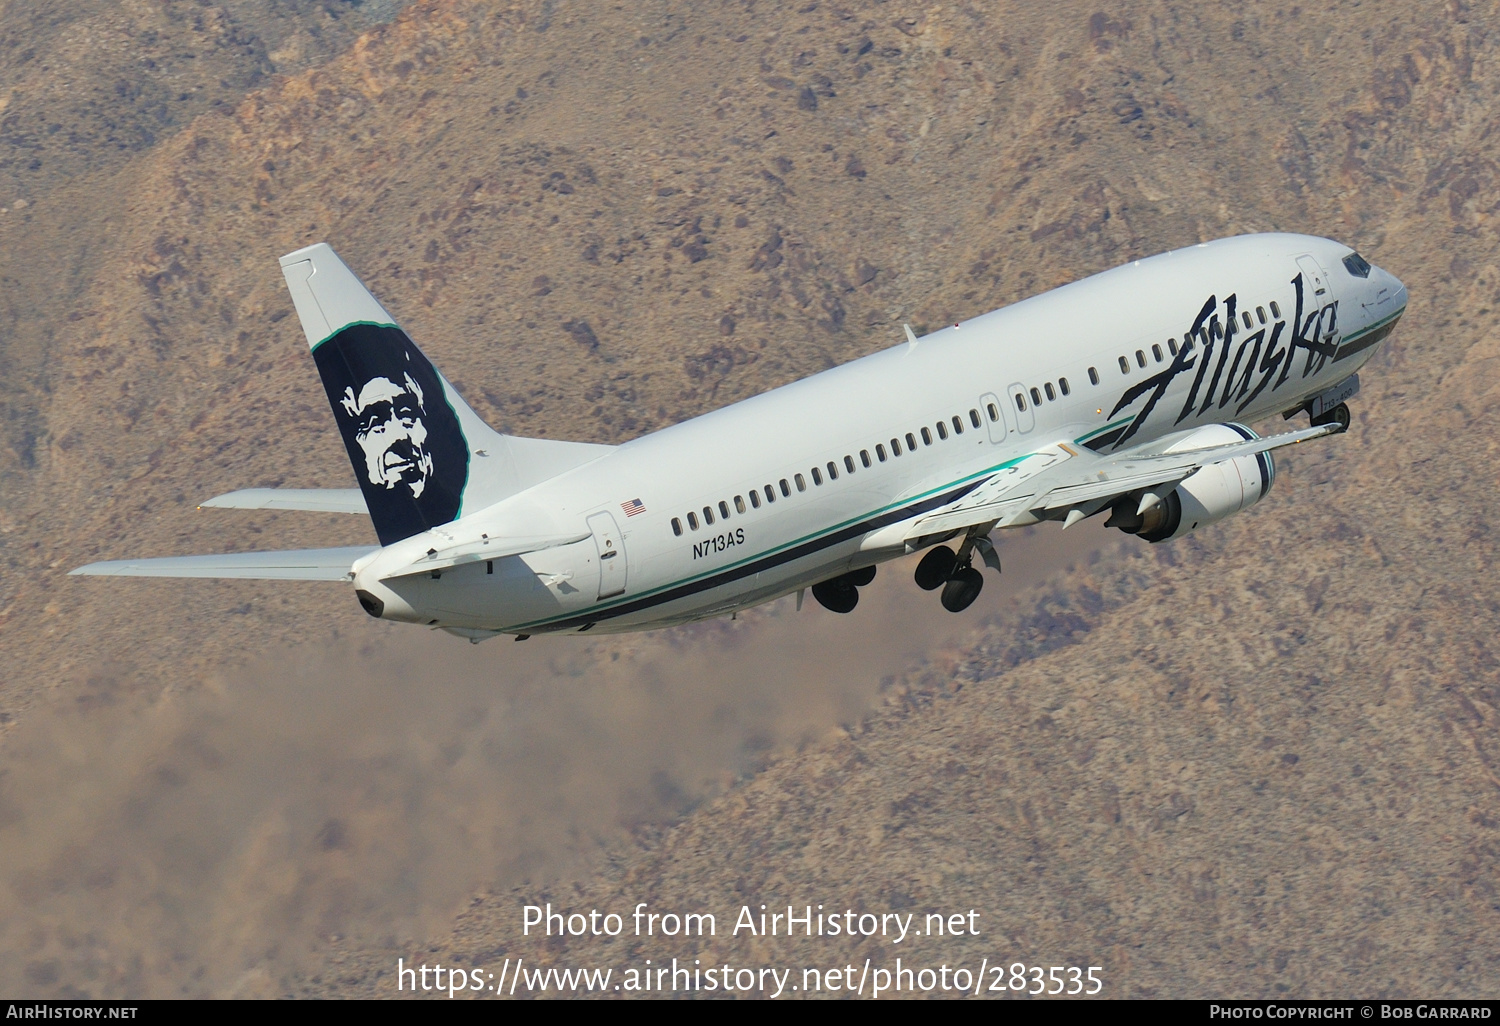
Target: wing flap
<point x="311" y="500"/>
<point x="292" y="565"/>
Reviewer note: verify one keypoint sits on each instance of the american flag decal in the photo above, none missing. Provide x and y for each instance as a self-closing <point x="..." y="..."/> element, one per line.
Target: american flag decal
<point x="633" y="507"/>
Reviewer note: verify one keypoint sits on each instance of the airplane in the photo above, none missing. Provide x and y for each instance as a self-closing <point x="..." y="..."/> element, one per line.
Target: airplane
<point x="1124" y="394"/>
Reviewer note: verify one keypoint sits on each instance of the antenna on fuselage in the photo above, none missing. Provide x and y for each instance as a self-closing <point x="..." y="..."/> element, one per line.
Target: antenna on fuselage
<point x="910" y="335"/>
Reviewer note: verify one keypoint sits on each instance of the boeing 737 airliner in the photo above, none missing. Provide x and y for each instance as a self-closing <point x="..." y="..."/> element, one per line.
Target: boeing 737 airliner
<point x="1124" y="394"/>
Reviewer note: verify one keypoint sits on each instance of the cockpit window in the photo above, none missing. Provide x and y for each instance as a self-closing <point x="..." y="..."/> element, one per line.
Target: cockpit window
<point x="1357" y="265"/>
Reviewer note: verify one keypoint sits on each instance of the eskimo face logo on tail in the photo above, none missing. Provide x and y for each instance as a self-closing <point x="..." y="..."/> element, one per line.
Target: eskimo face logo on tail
<point x="402" y="436"/>
<point x="389" y="428"/>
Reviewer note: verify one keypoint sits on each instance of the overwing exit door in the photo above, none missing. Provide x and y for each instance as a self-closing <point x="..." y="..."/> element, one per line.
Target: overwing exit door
<point x="1025" y="415"/>
<point x="994" y="416"/>
<point x="611" y="554"/>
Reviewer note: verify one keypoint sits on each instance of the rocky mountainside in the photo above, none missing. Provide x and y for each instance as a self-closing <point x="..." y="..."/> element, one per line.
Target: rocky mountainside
<point x="1259" y="760"/>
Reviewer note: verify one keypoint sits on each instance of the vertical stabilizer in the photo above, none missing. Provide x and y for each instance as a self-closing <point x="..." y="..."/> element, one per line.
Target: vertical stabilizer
<point x="421" y="455"/>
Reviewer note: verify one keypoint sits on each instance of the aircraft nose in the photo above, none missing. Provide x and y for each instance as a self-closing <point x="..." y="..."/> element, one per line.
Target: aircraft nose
<point x="1390" y="291"/>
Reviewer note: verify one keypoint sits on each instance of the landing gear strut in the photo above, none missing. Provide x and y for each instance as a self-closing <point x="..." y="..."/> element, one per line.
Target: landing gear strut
<point x="1338" y="415"/>
<point x="954" y="571"/>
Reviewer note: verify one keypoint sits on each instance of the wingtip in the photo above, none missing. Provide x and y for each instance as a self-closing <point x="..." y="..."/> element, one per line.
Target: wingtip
<point x="299" y="255"/>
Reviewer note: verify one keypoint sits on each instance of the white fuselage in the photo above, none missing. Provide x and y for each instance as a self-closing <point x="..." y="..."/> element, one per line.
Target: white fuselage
<point x="992" y="368"/>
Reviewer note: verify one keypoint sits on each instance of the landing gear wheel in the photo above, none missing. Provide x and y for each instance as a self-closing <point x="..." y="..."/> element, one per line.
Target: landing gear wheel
<point x="935" y="569"/>
<point x="1338" y="415"/>
<point x="961" y="591"/>
<point x="861" y="577"/>
<point x="837" y="595"/>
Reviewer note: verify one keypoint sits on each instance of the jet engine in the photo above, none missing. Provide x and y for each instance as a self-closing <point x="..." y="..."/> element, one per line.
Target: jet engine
<point x="1209" y="495"/>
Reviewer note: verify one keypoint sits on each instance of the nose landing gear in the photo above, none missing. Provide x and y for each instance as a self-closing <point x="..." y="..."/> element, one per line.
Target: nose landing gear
<point x="954" y="572"/>
<point x="1338" y="415"/>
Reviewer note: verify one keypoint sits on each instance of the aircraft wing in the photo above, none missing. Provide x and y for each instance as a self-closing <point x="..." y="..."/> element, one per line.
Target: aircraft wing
<point x="294" y="565"/>
<point x="312" y="500"/>
<point x="1064" y="476"/>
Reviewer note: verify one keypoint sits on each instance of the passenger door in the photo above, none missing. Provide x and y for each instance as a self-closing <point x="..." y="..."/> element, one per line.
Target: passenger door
<point x="611" y="554"/>
<point x="1315" y="281"/>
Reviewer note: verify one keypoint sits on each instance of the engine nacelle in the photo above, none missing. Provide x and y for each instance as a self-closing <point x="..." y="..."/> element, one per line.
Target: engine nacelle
<point x="1208" y="496"/>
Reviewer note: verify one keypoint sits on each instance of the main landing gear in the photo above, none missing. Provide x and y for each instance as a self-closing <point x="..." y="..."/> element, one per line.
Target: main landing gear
<point x="954" y="572"/>
<point x="841" y="594"/>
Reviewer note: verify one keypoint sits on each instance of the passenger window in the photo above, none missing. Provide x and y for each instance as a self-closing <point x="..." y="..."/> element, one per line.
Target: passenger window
<point x="677" y="527"/>
<point x="739" y="504"/>
<point x="1036" y="397"/>
<point x="817" y="476"/>
<point x="1260" y="312"/>
<point x="864" y="457"/>
<point x="1020" y="402"/>
<point x="958" y="424"/>
<point x="926" y="437"/>
<point x="1156" y="352"/>
<point x="911" y="442"/>
<point x="708" y="514"/>
<point x="833" y="471"/>
<point x="724" y="509"/>
<point x="1093" y="376"/>
<point x="1172" y="346"/>
<point x="801" y="484"/>
<point x="1247" y="320"/>
<point x="880" y="452"/>
<point x="974" y="417"/>
<point x="1140" y="357"/>
<point x="895" y="446"/>
<point x="787" y="492"/>
<point x="754" y="499"/>
<point x="849" y="463"/>
<point x="1124" y="365"/>
<point x="1275" y="310"/>
<point x="771" y="492"/>
<point x="1051" y="394"/>
<point x="942" y="431"/>
<point x="693" y="521"/>
<point x="1062" y="383"/>
<point x="993" y="411"/>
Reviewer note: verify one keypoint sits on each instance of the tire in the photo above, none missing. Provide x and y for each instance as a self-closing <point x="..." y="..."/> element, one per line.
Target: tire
<point x="1338" y="415"/>
<point x="861" y="577"/>
<point x="961" y="591"/>
<point x="935" y="569"/>
<point x="836" y="596"/>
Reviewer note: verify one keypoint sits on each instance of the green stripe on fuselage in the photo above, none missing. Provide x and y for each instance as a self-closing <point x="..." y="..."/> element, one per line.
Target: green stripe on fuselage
<point x="780" y="548"/>
<point x="1362" y="332"/>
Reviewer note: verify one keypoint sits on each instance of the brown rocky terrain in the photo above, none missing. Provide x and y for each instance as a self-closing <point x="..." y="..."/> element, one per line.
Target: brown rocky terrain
<point x="1257" y="761"/>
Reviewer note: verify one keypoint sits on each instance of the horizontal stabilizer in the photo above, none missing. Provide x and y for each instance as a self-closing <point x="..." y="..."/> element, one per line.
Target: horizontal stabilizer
<point x="294" y="565"/>
<point x="474" y="552"/>
<point x="310" y="500"/>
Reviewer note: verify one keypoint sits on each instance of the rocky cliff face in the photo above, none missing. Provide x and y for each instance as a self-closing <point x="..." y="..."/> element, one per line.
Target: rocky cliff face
<point x="1254" y="759"/>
